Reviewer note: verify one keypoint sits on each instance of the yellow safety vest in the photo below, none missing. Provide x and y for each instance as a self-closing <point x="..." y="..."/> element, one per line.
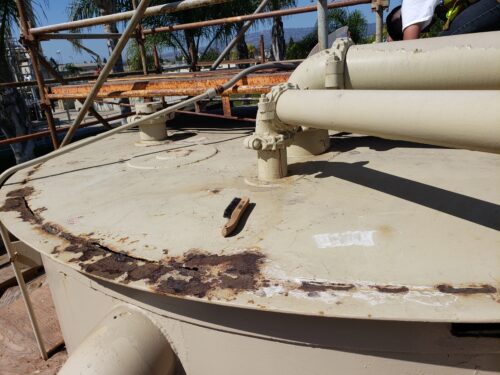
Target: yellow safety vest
<point x="453" y="8"/>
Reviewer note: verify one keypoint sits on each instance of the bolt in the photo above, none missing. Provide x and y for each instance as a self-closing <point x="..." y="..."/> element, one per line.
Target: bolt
<point x="257" y="144"/>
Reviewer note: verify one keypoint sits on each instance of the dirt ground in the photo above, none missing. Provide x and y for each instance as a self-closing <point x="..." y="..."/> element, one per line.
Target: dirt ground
<point x="19" y="354"/>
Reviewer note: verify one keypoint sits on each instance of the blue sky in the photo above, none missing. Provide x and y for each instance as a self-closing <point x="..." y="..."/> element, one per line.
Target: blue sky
<point x="56" y="13"/>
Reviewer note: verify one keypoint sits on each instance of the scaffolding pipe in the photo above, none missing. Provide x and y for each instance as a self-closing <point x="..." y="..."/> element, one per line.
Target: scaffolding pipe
<point x="248" y="17"/>
<point x="24" y="291"/>
<point x="140" y="41"/>
<point x="71" y="36"/>
<point x="177" y="6"/>
<point x="378" y="7"/>
<point x="238" y="36"/>
<point x="379" y="24"/>
<point x="122" y="42"/>
<point x="196" y="25"/>
<point x="444" y="118"/>
<point x="58" y="77"/>
<point x="322" y="24"/>
<point x="61" y="129"/>
<point x="86" y="77"/>
<point x="33" y="47"/>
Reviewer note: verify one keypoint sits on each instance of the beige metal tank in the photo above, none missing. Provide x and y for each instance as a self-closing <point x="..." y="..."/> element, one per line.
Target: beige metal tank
<point x="375" y="257"/>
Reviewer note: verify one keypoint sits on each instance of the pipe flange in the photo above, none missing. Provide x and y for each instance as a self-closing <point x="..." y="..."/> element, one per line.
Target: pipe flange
<point x="268" y="142"/>
<point x="272" y="98"/>
<point x="334" y="69"/>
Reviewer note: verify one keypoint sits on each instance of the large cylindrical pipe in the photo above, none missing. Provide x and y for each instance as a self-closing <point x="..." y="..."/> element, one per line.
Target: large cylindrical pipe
<point x="460" y="62"/>
<point x="460" y="119"/>
<point x="126" y="342"/>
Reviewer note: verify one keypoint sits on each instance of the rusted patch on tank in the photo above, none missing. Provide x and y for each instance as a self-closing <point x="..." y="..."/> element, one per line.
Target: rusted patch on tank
<point x="111" y="266"/>
<point x="31" y="173"/>
<point x="148" y="271"/>
<point x="50" y="228"/>
<point x="200" y="273"/>
<point x="391" y="288"/>
<point x="16" y="201"/>
<point x="194" y="286"/>
<point x="195" y="274"/>
<point x="473" y="289"/>
<point x="312" y="287"/>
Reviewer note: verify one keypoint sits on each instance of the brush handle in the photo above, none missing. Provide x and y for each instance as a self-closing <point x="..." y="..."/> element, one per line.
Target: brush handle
<point x="235" y="216"/>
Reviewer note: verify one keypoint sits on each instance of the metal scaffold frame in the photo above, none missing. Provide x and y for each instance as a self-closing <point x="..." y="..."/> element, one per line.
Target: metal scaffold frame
<point x="31" y="38"/>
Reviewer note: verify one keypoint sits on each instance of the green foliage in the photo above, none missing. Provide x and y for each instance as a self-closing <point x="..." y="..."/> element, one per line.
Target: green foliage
<point x="337" y="18"/>
<point x="211" y="54"/>
<point x="354" y="20"/>
<point x="187" y="42"/>
<point x="435" y="29"/>
<point x="71" y="69"/>
<point x="371" y="38"/>
<point x="134" y="60"/>
<point x="9" y="20"/>
<point x="251" y="50"/>
<point x="81" y="9"/>
<point x="300" y="49"/>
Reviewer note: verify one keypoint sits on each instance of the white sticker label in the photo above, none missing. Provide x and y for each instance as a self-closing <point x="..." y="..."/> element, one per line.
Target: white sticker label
<point x="354" y="238"/>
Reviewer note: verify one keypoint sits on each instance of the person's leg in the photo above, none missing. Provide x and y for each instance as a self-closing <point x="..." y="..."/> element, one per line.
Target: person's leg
<point x="478" y="17"/>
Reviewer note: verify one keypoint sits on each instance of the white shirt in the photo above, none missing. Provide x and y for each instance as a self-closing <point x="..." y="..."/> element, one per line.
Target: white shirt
<point x="417" y="11"/>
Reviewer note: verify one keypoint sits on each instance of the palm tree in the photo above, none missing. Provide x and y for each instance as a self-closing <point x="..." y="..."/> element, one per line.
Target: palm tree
<point x="355" y="21"/>
<point x="82" y="9"/>
<point x="235" y="9"/>
<point x="278" y="45"/>
<point x="14" y="113"/>
<point x="247" y="7"/>
<point x="187" y="42"/>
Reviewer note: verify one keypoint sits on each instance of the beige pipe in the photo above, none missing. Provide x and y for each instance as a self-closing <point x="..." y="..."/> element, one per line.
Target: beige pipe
<point x="126" y="342"/>
<point x="461" y="62"/>
<point x="459" y="119"/>
<point x="310" y="74"/>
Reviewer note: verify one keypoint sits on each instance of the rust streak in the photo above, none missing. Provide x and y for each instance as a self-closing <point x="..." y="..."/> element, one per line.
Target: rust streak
<point x="391" y="288"/>
<point x="313" y="287"/>
<point x="473" y="289"/>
